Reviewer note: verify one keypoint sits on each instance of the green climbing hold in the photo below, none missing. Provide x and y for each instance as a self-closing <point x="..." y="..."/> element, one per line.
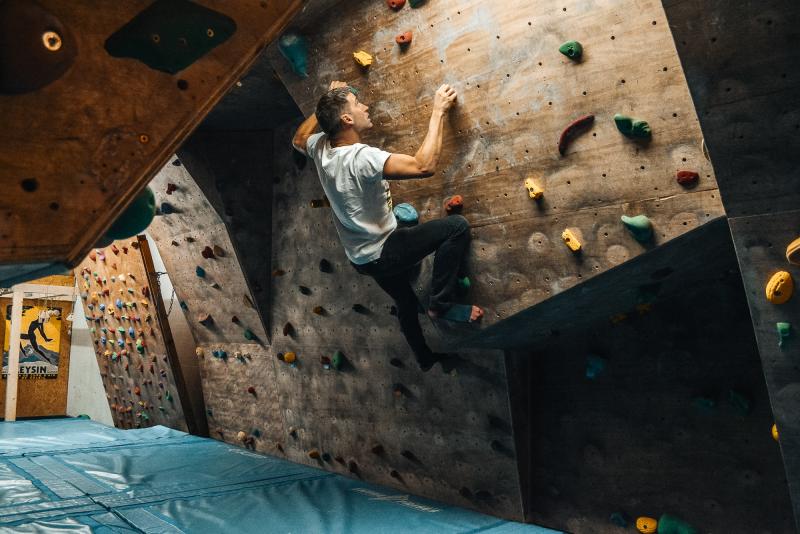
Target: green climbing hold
<point x="640" y="226"/>
<point x="784" y="331"/>
<point x="739" y="401"/>
<point x="464" y="284"/>
<point x="144" y="416"/>
<point x="669" y="524"/>
<point x="338" y="360"/>
<point x="572" y="49"/>
<point x="168" y="395"/>
<point x="139" y="346"/>
<point x="248" y="334"/>
<point x="136" y="217"/>
<point x="631" y="127"/>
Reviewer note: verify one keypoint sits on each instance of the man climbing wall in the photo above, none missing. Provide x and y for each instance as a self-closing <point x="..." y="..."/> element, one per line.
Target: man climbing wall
<point x="353" y="176"/>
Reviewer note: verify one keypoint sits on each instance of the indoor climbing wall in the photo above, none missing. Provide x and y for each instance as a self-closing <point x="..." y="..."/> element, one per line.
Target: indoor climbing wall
<point x="131" y="341"/>
<point x="163" y="65"/>
<point x="517" y="95"/>
<point x="236" y="361"/>
<point x="352" y="394"/>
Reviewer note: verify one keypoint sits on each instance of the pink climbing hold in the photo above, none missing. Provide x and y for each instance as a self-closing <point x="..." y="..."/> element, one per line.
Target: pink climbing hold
<point x="687" y="178"/>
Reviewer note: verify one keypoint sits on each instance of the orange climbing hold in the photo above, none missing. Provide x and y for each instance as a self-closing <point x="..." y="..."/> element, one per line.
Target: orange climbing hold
<point x="572" y="130"/>
<point x="454" y="204"/>
<point x="319" y="310"/>
<point x="314" y="453"/>
<point x="396" y="4"/>
<point x="404" y="39"/>
<point x="289" y="357"/>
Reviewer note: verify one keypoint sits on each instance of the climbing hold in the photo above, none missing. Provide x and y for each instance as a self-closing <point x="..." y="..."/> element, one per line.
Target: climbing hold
<point x="325" y="361"/>
<point x="248" y="334"/>
<point x="595" y="366"/>
<point x="288" y="329"/>
<point x="278" y="272"/>
<point x="314" y="453"/>
<point x="289" y="357"/>
<point x="534" y="191"/>
<point x="171" y="188"/>
<point x="168" y="395"/>
<point x="251" y="390"/>
<point x="362" y="58"/>
<point x="784" y="331"/>
<point x="207" y="253"/>
<point x="395" y="362"/>
<point x="118" y="303"/>
<point x="293" y="47"/>
<point x="205" y="319"/>
<point x="218" y="251"/>
<point x="687" y="178"/>
<point x="166" y="208"/>
<point x="619" y="519"/>
<point x="631" y="127"/>
<point x="464" y="284"/>
<point x="137" y="390"/>
<point x="199" y="352"/>
<point x="404" y="39"/>
<point x="136" y="217"/>
<point x="572" y="49"/>
<point x="319" y="310"/>
<point x="323" y="202"/>
<point x="200" y="272"/>
<point x="465" y="492"/>
<point x="396" y="4"/>
<point x="669" y="524"/>
<point x="704" y="403"/>
<point x="352" y="466"/>
<point x="235" y="319"/>
<point x="793" y="252"/>
<point x="394" y="474"/>
<point x="359" y="308"/>
<point x="640" y="226"/>
<point x="739" y="401"/>
<point x="571" y="240"/>
<point x="780" y="287"/>
<point x="115" y="250"/>
<point x="454" y="204"/>
<point x="338" y="360"/>
<point x="415" y="3"/>
<point x="325" y="266"/>
<point x="572" y="131"/>
<point x="775" y="435"/>
<point x="305" y="290"/>
<point x="377" y="449"/>
<point x="408" y="455"/>
<point x="646" y="525"/>
<point x="406" y="214"/>
<point x="399" y="390"/>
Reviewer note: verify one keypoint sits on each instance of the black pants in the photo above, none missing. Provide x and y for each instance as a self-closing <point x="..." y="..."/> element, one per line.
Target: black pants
<point x="448" y="238"/>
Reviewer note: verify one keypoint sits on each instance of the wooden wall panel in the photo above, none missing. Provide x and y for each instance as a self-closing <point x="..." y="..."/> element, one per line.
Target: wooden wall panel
<point x="80" y="136"/>
<point x="140" y="386"/>
<point x="44" y="397"/>
<point x="516" y="94"/>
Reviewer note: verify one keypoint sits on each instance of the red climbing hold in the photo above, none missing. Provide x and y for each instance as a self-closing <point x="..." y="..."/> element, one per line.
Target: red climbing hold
<point x="251" y="390"/>
<point x="115" y="250"/>
<point x="454" y="204"/>
<point x="171" y="188"/>
<point x="235" y="319"/>
<point x="207" y="253"/>
<point x="687" y="178"/>
<point x="573" y="130"/>
<point x="396" y="4"/>
<point x="404" y="38"/>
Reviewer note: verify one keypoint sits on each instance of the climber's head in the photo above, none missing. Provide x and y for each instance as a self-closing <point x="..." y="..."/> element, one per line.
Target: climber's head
<point x="339" y="110"/>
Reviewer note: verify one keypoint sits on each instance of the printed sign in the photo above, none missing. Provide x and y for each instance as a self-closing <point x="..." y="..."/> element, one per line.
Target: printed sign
<point x="40" y="337"/>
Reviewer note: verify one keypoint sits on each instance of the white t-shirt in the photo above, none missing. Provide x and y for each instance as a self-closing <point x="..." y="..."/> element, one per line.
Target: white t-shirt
<point x="352" y="177"/>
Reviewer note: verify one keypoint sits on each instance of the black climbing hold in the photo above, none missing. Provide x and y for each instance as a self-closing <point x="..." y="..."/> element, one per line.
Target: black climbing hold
<point x="377" y="449"/>
<point x="394" y="474"/>
<point x="36" y="49"/>
<point x="483" y="495"/>
<point x="305" y="290"/>
<point x="408" y="455"/>
<point x="393" y="310"/>
<point x="358" y="308"/>
<point x="396" y="362"/>
<point x="325" y="266"/>
<point x="352" y="466"/>
<point x="465" y="492"/>
<point x="170" y="35"/>
<point x="176" y="162"/>
<point x="326" y="457"/>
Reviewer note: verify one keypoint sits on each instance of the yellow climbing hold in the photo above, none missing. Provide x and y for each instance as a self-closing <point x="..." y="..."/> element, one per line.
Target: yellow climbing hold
<point x="775" y="432"/>
<point x="780" y="287"/>
<point x="793" y="252"/>
<point x="534" y="191"/>
<point x="646" y="525"/>
<point x="241" y="436"/>
<point x="362" y="58"/>
<point x="199" y="352"/>
<point x="571" y="240"/>
<point x="289" y="357"/>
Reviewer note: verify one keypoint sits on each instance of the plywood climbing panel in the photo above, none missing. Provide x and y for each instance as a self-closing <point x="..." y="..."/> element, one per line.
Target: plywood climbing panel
<point x="95" y="99"/>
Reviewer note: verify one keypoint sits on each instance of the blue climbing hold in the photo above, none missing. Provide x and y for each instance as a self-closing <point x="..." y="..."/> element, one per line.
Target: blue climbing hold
<point x="167" y="208"/>
<point x="102" y="307"/>
<point x="200" y="272"/>
<point x="131" y="332"/>
<point x="406" y="214"/>
<point x="595" y="366"/>
<point x="118" y="303"/>
<point x="294" y="48"/>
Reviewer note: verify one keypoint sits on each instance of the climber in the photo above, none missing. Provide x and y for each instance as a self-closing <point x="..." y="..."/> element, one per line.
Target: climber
<point x="353" y="176"/>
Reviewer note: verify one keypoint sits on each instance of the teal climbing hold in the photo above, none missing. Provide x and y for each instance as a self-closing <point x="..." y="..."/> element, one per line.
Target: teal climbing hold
<point x="571" y="49"/>
<point x="338" y="360"/>
<point x="200" y="272"/>
<point x="136" y="217"/>
<point x="784" y="331"/>
<point x="406" y="214"/>
<point x="704" y="403"/>
<point x="619" y="519"/>
<point x="83" y="416"/>
<point x="595" y="366"/>
<point x="640" y="226"/>
<point x="168" y="395"/>
<point x="631" y="127"/>
<point x="669" y="524"/>
<point x="183" y="305"/>
<point x="248" y="334"/>
<point x="415" y="3"/>
<point x="739" y="401"/>
<point x="294" y="48"/>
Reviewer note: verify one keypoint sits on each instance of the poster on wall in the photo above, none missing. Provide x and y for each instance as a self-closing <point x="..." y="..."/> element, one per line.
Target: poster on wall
<point x="40" y="336"/>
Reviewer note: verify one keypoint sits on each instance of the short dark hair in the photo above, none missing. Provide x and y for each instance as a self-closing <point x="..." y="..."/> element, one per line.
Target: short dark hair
<point x="330" y="108"/>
